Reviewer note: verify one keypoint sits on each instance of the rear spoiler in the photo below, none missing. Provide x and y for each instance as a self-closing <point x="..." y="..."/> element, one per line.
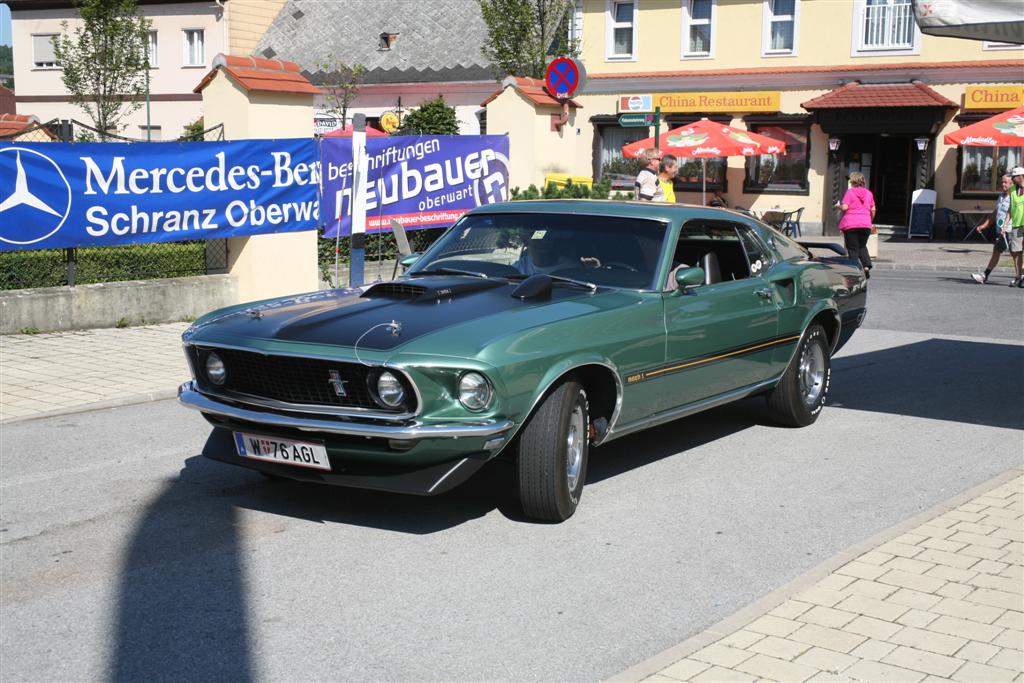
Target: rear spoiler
<point x="831" y="246"/>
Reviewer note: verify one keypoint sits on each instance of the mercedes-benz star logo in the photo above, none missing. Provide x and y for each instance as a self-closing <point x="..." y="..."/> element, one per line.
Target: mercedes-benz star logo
<point x="21" y="209"/>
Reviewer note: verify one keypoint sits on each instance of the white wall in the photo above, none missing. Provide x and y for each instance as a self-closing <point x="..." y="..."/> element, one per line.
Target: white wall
<point x="169" y="78"/>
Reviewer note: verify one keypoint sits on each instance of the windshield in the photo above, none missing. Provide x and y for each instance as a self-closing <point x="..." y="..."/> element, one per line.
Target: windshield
<point x="608" y="251"/>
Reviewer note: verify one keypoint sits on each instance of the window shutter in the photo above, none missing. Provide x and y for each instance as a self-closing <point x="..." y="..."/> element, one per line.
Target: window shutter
<point x="42" y="50"/>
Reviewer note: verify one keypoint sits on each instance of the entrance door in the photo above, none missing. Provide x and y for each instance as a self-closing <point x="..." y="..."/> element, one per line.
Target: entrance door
<point x="885" y="163"/>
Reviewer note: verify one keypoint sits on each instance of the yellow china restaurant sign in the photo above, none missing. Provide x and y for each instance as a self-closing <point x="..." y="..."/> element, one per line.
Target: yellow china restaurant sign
<point x="993" y="96"/>
<point x="670" y="102"/>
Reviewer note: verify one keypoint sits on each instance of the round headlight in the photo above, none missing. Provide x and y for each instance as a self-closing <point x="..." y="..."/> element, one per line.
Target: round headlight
<point x="475" y="391"/>
<point x="389" y="390"/>
<point x="215" y="369"/>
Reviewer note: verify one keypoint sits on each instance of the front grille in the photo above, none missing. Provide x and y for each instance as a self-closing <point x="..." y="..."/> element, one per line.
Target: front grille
<point x="304" y="381"/>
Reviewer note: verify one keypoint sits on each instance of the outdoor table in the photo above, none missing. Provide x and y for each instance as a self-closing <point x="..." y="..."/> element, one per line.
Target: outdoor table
<point x="972" y="219"/>
<point x="774" y="217"/>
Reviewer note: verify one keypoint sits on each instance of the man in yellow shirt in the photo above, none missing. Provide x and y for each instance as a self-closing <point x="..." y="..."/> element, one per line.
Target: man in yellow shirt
<point x="667" y="170"/>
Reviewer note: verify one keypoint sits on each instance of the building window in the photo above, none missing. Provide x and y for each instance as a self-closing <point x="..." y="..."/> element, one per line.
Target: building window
<point x="989" y="45"/>
<point x="155" y="134"/>
<point x="609" y="164"/>
<point x="195" y="48"/>
<point x="780" y="173"/>
<point x="154" y="54"/>
<point x="780" y="27"/>
<point x="980" y="168"/>
<point x="621" y="36"/>
<point x="698" y="28"/>
<point x="575" y="28"/>
<point x="43" y="56"/>
<point x="885" y="25"/>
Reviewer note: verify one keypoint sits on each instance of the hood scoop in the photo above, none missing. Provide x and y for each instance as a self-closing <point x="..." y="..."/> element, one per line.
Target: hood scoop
<point x="429" y="289"/>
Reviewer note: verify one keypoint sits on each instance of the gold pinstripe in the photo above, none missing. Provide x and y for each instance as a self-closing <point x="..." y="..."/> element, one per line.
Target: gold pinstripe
<point x="700" y="361"/>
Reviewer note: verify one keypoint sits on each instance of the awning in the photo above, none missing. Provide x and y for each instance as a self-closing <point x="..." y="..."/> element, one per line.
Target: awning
<point x="998" y="21"/>
<point x="861" y="95"/>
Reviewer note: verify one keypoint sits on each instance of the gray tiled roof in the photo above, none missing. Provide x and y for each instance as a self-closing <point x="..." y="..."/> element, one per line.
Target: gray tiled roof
<point x="438" y="40"/>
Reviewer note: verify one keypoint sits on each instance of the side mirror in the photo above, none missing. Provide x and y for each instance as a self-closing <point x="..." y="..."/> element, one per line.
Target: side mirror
<point x="689" y="277"/>
<point x="407" y="261"/>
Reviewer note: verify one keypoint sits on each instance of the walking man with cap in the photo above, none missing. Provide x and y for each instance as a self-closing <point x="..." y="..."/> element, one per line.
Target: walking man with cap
<point x="1016" y="236"/>
<point x="1001" y="219"/>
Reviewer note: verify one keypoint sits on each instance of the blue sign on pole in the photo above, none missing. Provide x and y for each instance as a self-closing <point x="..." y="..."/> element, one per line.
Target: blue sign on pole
<point x="76" y="195"/>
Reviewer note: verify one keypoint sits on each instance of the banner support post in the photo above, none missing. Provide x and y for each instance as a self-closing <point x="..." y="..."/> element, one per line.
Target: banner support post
<point x="358" y="239"/>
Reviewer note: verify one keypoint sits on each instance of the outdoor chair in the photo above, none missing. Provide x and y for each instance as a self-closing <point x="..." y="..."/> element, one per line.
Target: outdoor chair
<point x="956" y="226"/>
<point x="790" y="225"/>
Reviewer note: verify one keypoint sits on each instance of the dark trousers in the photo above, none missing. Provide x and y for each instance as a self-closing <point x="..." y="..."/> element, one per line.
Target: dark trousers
<point x="857" y="244"/>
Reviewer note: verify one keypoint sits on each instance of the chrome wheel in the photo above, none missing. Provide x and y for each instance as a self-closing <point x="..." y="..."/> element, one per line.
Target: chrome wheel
<point x="574" y="446"/>
<point x="811" y="374"/>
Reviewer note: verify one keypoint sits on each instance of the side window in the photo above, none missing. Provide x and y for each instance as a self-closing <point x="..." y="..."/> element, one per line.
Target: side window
<point x="758" y="256"/>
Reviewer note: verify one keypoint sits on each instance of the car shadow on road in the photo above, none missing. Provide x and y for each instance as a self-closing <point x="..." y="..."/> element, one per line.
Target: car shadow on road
<point x="940" y="379"/>
<point x="181" y="609"/>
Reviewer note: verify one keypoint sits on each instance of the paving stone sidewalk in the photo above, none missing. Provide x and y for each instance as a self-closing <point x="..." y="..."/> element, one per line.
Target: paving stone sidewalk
<point x="60" y="372"/>
<point x="940" y="602"/>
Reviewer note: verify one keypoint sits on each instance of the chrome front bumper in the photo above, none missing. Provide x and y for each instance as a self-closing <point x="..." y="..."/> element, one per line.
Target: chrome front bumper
<point x="190" y="397"/>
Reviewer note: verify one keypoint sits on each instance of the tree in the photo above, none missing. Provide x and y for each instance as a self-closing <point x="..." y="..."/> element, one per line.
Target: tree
<point x="433" y="117"/>
<point x="522" y="34"/>
<point x="341" y="86"/>
<point x="7" y="66"/>
<point x="105" y="60"/>
<point x="192" y="132"/>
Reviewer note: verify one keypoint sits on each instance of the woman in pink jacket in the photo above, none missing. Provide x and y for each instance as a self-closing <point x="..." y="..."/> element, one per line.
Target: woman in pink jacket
<point x="858" y="207"/>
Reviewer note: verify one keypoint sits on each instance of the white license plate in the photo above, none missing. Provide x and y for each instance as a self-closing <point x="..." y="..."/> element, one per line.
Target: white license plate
<point x="283" y="451"/>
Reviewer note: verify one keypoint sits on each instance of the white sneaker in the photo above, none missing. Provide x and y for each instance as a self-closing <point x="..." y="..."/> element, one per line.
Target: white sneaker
<point x="979" y="278"/>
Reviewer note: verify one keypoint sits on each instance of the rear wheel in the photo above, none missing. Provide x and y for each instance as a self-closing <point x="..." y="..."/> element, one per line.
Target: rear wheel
<point x="800" y="395"/>
<point x="551" y="459"/>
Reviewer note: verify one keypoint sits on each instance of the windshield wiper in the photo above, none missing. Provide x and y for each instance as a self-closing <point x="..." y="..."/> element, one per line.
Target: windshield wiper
<point x="558" y="278"/>
<point x="448" y="271"/>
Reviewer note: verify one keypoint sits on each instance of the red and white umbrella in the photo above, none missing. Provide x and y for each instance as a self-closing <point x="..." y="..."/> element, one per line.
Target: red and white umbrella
<point x="347" y="131"/>
<point x="1001" y="130"/>
<point x="706" y="139"/>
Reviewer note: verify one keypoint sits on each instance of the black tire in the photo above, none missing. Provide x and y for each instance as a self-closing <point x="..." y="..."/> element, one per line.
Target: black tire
<point x="797" y="400"/>
<point x="546" y="491"/>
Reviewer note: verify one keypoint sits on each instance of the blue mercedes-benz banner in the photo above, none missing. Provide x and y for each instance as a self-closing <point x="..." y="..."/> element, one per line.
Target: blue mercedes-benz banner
<point x="78" y="194"/>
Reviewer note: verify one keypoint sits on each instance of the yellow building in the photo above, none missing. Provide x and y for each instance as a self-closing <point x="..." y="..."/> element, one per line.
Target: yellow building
<point x="847" y="84"/>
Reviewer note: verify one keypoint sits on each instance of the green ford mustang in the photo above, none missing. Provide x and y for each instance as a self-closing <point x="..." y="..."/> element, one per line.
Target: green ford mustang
<point x="530" y="330"/>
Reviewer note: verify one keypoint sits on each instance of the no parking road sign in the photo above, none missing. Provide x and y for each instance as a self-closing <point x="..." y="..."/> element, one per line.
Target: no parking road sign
<point x="565" y="77"/>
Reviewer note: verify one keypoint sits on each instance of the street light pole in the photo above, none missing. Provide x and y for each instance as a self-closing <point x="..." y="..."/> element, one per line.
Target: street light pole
<point x="149" y="125"/>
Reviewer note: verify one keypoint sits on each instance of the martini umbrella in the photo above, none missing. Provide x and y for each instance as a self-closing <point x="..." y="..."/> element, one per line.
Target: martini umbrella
<point x="346" y="132"/>
<point x="703" y="139"/>
<point x="1001" y="130"/>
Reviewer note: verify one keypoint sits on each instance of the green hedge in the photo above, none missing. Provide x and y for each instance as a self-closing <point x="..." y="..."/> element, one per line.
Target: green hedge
<point x="46" y="267"/>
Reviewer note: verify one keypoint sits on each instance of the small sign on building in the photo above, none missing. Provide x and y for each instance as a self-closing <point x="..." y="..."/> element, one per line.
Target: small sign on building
<point x="324" y="123"/>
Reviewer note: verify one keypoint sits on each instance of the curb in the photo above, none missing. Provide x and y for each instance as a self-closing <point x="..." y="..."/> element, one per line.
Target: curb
<point x="881" y="265"/>
<point x="128" y="400"/>
<point x="746" y="615"/>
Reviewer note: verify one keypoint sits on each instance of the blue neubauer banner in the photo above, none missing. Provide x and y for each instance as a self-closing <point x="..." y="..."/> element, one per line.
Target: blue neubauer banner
<point x="78" y="195"/>
<point x="422" y="182"/>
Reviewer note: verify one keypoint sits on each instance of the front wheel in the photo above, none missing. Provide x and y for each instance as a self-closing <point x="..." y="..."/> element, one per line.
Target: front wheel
<point x="801" y="393"/>
<point x="551" y="459"/>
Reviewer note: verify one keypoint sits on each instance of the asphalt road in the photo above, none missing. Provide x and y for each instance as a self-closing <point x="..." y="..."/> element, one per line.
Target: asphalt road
<point x="125" y="555"/>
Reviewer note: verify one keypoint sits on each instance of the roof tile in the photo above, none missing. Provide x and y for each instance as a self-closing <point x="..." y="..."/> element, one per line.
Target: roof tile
<point x="532" y="89"/>
<point x="12" y="124"/>
<point x="856" y="95"/>
<point x="837" y="68"/>
<point x="261" y="75"/>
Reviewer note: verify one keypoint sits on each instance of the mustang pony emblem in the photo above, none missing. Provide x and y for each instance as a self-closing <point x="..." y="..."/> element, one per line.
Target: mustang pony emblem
<point x="337" y="383"/>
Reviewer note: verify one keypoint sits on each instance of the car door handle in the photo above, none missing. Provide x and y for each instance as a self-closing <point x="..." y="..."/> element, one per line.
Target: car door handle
<point x="764" y="293"/>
